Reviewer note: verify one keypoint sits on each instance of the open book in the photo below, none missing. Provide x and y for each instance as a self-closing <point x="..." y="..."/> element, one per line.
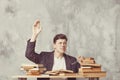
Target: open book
<point x="59" y="72"/>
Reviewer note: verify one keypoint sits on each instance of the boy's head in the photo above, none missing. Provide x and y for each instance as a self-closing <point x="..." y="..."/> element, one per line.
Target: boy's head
<point x="60" y="43"/>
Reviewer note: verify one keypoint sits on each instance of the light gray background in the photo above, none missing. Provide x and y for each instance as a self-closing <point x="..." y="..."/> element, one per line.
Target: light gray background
<point x="92" y="27"/>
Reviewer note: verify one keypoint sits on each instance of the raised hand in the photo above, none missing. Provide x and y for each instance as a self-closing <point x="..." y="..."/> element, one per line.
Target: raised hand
<point x="36" y="30"/>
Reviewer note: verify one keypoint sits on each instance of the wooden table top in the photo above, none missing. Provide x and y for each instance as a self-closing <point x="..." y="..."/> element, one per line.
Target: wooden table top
<point x="75" y="75"/>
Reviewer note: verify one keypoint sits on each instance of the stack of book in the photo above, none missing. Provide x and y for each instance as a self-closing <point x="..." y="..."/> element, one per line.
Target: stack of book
<point x="89" y="67"/>
<point x="36" y="69"/>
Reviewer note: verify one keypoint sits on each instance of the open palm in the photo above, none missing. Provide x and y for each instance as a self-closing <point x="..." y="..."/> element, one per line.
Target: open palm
<point x="36" y="27"/>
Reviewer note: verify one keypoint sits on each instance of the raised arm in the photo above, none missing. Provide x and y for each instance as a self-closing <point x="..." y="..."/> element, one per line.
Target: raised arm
<point x="36" y="30"/>
<point x="30" y="49"/>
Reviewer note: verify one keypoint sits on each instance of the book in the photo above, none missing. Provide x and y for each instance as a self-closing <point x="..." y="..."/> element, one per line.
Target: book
<point x="88" y="61"/>
<point x="65" y="71"/>
<point x="90" y="74"/>
<point x="92" y="65"/>
<point x="30" y="66"/>
<point x="58" y="72"/>
<point x="33" y="69"/>
<point x="52" y="73"/>
<point x="89" y="58"/>
<point x="90" y="69"/>
<point x="68" y="74"/>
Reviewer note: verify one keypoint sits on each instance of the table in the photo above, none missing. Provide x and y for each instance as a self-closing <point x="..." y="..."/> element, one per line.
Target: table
<point x="93" y="76"/>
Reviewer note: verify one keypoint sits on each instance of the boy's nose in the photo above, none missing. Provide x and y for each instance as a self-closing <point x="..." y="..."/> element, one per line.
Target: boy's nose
<point x="63" y="44"/>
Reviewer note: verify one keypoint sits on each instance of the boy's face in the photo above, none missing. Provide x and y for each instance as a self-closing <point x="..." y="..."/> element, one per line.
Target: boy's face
<point x="60" y="45"/>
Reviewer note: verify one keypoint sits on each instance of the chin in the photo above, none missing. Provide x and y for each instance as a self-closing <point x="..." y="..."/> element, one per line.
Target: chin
<point x="62" y="52"/>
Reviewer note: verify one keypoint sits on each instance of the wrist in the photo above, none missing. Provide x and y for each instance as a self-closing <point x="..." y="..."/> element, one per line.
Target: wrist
<point x="33" y="38"/>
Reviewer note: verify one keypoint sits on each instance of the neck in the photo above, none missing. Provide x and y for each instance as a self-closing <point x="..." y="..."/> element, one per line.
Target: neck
<point x="58" y="55"/>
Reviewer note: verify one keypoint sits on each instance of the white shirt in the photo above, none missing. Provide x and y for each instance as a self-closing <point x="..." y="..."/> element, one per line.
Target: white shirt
<point x="59" y="63"/>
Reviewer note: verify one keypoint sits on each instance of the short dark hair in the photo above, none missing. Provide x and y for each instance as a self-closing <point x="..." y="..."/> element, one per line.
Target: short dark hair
<point x="59" y="36"/>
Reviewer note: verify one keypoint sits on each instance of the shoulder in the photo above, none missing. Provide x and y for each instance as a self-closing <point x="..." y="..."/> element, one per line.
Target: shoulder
<point x="70" y="57"/>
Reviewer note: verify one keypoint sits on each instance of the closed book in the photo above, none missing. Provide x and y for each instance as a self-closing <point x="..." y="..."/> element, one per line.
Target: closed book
<point x="88" y="61"/>
<point x="91" y="74"/>
<point x="68" y="74"/>
<point x="91" y="65"/>
<point x="83" y="69"/>
<point x="89" y="58"/>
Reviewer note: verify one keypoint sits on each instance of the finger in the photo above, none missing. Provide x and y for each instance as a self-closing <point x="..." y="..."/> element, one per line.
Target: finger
<point x="36" y="22"/>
